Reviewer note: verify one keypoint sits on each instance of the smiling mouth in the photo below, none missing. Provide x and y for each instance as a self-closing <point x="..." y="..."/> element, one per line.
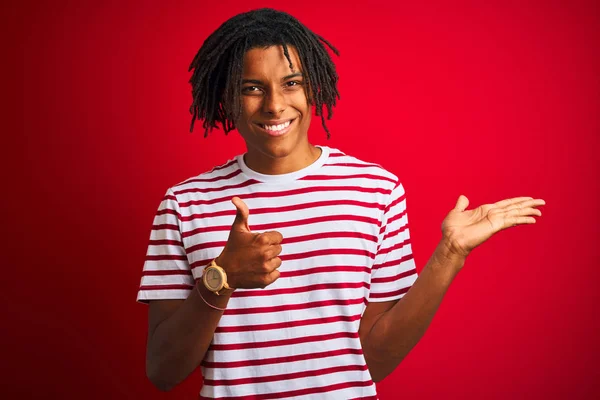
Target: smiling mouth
<point x="276" y="128"/>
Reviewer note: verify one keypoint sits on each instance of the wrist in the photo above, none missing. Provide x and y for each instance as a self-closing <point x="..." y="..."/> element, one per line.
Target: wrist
<point x="222" y="262"/>
<point x="448" y="256"/>
<point x="211" y="299"/>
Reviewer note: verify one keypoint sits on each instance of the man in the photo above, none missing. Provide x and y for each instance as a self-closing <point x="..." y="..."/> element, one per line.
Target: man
<point x="294" y="291"/>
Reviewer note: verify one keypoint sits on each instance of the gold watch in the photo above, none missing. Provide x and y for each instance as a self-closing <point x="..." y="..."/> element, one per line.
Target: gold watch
<point x="215" y="278"/>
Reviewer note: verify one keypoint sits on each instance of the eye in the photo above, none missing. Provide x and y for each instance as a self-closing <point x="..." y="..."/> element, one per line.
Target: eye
<point x="293" y="83"/>
<point x="250" y="89"/>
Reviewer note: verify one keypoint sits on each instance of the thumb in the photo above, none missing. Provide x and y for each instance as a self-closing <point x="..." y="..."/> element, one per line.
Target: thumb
<point x="462" y="203"/>
<point x="241" y="217"/>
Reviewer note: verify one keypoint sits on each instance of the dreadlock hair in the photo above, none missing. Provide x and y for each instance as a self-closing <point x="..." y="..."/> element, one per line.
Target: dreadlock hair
<point x="217" y="76"/>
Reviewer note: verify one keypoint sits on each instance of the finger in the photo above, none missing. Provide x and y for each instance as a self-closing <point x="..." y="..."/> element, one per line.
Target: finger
<point x="273" y="251"/>
<point x="270" y="278"/>
<point x="526" y="211"/>
<point x="509" y="202"/>
<point x="516" y="220"/>
<point x="462" y="203"/>
<point x="241" y="216"/>
<point x="273" y="237"/>
<point x="524" y="207"/>
<point x="272" y="264"/>
<point x="531" y="203"/>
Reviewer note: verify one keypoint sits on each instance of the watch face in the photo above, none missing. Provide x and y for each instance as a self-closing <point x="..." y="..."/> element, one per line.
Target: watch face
<point x="213" y="279"/>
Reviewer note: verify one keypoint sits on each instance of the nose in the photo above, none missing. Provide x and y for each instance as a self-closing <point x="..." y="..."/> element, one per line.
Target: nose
<point x="274" y="103"/>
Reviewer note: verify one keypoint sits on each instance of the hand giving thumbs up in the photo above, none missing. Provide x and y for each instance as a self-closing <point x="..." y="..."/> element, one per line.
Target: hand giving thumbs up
<point x="250" y="259"/>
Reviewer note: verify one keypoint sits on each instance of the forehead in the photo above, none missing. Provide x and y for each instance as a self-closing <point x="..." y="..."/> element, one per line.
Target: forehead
<point x="270" y="62"/>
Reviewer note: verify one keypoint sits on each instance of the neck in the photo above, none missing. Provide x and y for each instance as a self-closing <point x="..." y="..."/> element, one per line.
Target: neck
<point x="283" y="164"/>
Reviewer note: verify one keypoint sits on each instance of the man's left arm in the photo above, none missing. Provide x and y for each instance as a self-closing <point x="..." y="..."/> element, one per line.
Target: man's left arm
<point x="389" y="330"/>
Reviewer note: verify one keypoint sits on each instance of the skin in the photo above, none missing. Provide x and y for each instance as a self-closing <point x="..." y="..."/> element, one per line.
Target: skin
<point x="177" y="343"/>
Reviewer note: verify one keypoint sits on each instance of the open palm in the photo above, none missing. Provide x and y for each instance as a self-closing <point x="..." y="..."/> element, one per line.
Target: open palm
<point x="467" y="229"/>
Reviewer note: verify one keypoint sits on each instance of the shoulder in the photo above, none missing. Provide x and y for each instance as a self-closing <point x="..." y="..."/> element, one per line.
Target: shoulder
<point x="346" y="164"/>
<point x="214" y="179"/>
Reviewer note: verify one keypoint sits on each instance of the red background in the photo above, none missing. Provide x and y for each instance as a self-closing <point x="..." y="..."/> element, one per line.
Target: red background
<point x="487" y="99"/>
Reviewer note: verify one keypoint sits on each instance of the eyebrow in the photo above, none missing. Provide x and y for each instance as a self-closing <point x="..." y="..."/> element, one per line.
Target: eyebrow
<point x="285" y="78"/>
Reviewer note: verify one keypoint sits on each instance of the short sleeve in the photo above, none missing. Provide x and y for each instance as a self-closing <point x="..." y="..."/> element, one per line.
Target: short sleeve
<point x="394" y="270"/>
<point x="166" y="273"/>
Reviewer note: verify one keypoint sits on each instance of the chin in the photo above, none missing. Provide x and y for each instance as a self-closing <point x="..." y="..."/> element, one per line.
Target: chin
<point x="277" y="150"/>
<point x="279" y="147"/>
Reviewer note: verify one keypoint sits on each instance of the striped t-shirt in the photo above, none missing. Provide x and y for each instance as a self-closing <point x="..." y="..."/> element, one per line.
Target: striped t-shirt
<point x="345" y="242"/>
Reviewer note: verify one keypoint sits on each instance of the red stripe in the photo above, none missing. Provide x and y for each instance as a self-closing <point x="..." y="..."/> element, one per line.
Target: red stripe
<point x="206" y="245"/>
<point x="165" y="287"/>
<point x="396" y="217"/>
<point x="298" y="392"/>
<point x="397" y="231"/>
<point x="279" y="360"/>
<point x="247" y="183"/>
<point x="353" y="176"/>
<point x="300" y="289"/>
<point x="200" y="263"/>
<point x="167" y="272"/>
<point x="366" y="398"/>
<point x="283" y="377"/>
<point x="223" y="213"/>
<point x="389" y="294"/>
<point x="168" y="211"/>
<point x="226" y="165"/>
<point x="337" y="155"/>
<point x="286" y="193"/>
<point x="326" y="252"/>
<point x="287" y="324"/>
<point x="283" y="342"/>
<point x="285" y="224"/>
<point x="170" y="227"/>
<point x="395" y="202"/>
<point x="395" y="187"/>
<point x="217" y="168"/>
<point x="205" y="229"/>
<point x="305" y="255"/>
<point x="214" y="179"/>
<point x="294" y="239"/>
<point x="394" y="247"/>
<point x="169" y="197"/>
<point x="317" y="270"/>
<point x="293" y="207"/>
<point x="286" y="307"/>
<point x="359" y="165"/>
<point x="393" y="262"/>
<point x="395" y="277"/>
<point x="165" y="242"/>
<point x="329" y="235"/>
<point x="166" y="257"/>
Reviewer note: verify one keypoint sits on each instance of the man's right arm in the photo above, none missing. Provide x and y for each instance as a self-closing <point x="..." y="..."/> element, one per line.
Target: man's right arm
<point x="179" y="333"/>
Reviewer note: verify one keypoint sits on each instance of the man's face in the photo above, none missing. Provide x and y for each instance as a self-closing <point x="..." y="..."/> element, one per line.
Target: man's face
<point x="275" y="112"/>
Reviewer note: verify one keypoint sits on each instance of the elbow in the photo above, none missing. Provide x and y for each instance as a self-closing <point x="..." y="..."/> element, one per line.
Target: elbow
<point x="160" y="384"/>
<point x="377" y="376"/>
<point x="380" y="368"/>
<point x="158" y="379"/>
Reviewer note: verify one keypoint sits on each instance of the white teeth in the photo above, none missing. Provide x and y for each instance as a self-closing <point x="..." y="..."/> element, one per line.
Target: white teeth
<point x="277" y="127"/>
